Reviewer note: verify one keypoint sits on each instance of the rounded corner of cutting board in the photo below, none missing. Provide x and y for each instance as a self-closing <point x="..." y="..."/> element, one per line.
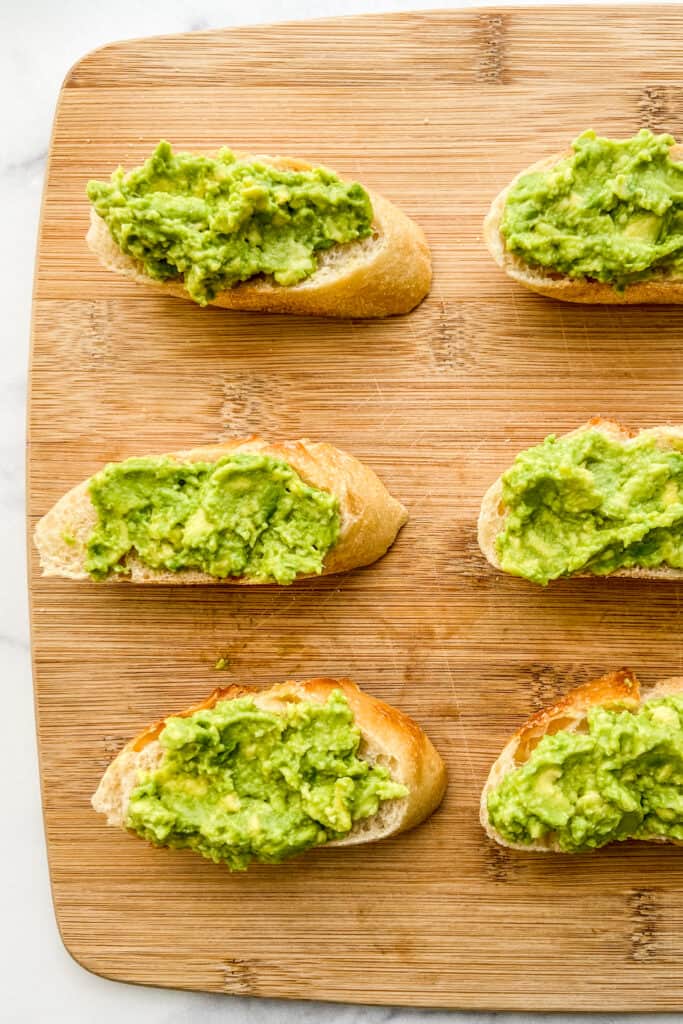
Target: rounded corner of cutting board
<point x="80" y="957"/>
<point x="88" y="62"/>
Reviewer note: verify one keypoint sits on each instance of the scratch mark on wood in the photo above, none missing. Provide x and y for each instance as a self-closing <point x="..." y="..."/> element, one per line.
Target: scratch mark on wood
<point x="498" y="863"/>
<point x="463" y="734"/>
<point x="643" y="915"/>
<point x="653" y="109"/>
<point x="547" y="683"/>
<point x="451" y="346"/>
<point x="112" y="744"/>
<point x="491" y="66"/>
<point x="238" y="977"/>
<point x="250" y="405"/>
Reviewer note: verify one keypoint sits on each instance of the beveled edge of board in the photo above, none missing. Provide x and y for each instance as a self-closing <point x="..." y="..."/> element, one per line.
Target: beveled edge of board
<point x="479" y="15"/>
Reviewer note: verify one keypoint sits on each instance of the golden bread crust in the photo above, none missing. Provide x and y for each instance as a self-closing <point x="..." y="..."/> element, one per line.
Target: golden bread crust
<point x="388" y="737"/>
<point x="386" y="274"/>
<point x="660" y="289"/>
<point x="370" y="516"/>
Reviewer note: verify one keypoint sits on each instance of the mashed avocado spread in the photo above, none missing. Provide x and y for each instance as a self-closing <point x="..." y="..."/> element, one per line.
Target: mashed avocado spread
<point x="238" y="783"/>
<point x="613" y="211"/>
<point x="245" y="515"/>
<point x="622" y="779"/>
<point x="590" y="503"/>
<point x="216" y="221"/>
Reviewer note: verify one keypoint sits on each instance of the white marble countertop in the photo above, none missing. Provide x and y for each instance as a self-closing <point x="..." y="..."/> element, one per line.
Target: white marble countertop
<point x="39" y="41"/>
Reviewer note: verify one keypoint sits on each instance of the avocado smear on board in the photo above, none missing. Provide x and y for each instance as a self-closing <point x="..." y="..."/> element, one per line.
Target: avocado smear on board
<point x="589" y="503"/>
<point x="613" y="211"/>
<point x="238" y="783"/>
<point x="245" y="515"/>
<point x="217" y="220"/>
<point x="623" y="779"/>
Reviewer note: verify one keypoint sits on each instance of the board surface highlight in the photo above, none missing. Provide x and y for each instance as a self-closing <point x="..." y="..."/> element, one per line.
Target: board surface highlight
<point x="437" y="111"/>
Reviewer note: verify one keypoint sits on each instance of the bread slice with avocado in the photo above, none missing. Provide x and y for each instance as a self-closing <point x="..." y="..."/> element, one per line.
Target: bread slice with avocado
<point x="603" y="764"/>
<point x="266" y="774"/>
<point x="599" y="500"/>
<point x="241" y="512"/>
<point x="269" y="234"/>
<point x="626" y="222"/>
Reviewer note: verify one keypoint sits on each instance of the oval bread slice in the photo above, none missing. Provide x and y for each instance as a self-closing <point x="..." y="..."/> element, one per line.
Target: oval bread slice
<point x="387" y="273"/>
<point x="570" y="714"/>
<point x="493" y="512"/>
<point x="388" y="737"/>
<point x="370" y="516"/>
<point x="661" y="288"/>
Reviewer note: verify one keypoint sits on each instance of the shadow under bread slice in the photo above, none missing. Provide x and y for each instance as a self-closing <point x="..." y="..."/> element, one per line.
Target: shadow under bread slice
<point x="266" y="774"/>
<point x="243" y="511"/>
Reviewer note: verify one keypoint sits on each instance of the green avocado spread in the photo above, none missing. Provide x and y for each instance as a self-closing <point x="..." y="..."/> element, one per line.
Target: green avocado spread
<point x="216" y="221"/>
<point x="237" y="783"/>
<point x="612" y="211"/>
<point x="245" y="515"/>
<point x="622" y="779"/>
<point x="592" y="504"/>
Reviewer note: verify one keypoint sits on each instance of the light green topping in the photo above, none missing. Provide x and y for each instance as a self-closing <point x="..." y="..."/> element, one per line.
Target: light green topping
<point x="621" y="779"/>
<point x="217" y="221"/>
<point x="589" y="503"/>
<point x="246" y="515"/>
<point x="238" y="783"/>
<point x="612" y="211"/>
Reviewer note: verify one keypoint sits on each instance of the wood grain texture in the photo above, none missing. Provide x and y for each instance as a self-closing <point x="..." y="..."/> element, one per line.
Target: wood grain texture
<point x="437" y="111"/>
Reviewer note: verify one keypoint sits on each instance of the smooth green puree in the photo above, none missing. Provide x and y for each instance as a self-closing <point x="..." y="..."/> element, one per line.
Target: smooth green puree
<point x="623" y="779"/>
<point x="216" y="221"/>
<point x="237" y="783"/>
<point x="245" y="515"/>
<point x="593" y="504"/>
<point x="613" y="211"/>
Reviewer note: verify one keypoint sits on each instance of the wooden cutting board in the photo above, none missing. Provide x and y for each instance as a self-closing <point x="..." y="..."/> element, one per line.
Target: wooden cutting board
<point x="438" y="111"/>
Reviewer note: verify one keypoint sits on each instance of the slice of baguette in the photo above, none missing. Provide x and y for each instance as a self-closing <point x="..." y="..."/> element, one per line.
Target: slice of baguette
<point x="570" y="714"/>
<point x="387" y="273"/>
<point x="493" y="512"/>
<point x="388" y="738"/>
<point x="661" y="288"/>
<point x="370" y="516"/>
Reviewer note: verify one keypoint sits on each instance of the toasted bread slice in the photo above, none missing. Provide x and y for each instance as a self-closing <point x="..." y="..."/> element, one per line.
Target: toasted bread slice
<point x="661" y="288"/>
<point x="493" y="512"/>
<point x="568" y="714"/>
<point x="388" y="273"/>
<point x="370" y="517"/>
<point x="388" y="738"/>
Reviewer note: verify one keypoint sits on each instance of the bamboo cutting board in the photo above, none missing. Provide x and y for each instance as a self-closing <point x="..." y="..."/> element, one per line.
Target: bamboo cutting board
<point x="437" y="111"/>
